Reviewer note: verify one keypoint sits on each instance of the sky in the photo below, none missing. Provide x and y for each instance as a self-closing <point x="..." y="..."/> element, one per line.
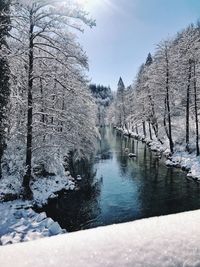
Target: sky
<point x="127" y="30"/>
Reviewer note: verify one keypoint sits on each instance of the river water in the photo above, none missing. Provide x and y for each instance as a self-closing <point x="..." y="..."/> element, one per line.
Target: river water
<point x="116" y="188"/>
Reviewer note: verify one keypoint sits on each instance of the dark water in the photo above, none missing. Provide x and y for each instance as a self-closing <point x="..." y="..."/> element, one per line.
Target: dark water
<point x="118" y="189"/>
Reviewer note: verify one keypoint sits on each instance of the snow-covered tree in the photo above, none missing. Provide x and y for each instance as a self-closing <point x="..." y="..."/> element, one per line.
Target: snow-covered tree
<point x="50" y="91"/>
<point x="120" y="104"/>
<point x="4" y="72"/>
<point x="165" y="93"/>
<point x="103" y="98"/>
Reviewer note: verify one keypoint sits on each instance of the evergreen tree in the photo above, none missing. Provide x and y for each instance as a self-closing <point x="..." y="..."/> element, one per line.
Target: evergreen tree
<point x="4" y="72"/>
<point x="120" y="103"/>
<point x="149" y="60"/>
<point x="121" y="87"/>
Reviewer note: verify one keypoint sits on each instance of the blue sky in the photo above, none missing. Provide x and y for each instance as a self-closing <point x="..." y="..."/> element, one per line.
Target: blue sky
<point x="127" y="30"/>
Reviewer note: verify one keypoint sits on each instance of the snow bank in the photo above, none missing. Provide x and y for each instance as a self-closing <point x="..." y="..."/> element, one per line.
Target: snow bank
<point x="168" y="241"/>
<point x="180" y="159"/>
<point x="49" y="176"/>
<point x="43" y="188"/>
<point x="188" y="162"/>
<point x="18" y="223"/>
<point x="153" y="144"/>
<point x="46" y="187"/>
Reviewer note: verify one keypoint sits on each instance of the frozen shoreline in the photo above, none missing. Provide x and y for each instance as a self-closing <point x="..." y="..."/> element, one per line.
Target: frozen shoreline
<point x="180" y="159"/>
<point x="18" y="221"/>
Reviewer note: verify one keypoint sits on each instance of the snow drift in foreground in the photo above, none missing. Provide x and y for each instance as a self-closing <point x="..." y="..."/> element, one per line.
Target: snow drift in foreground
<point x="160" y="241"/>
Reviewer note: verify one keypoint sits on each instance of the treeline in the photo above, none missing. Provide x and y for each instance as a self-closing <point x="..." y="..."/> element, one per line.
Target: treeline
<point x="47" y="110"/>
<point x="163" y="103"/>
<point x="103" y="97"/>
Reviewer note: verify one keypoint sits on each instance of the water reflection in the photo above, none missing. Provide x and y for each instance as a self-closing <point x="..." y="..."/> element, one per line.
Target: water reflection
<point x="117" y="188"/>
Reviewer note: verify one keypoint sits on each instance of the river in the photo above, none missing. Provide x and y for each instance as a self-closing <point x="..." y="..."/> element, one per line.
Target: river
<point x="119" y="189"/>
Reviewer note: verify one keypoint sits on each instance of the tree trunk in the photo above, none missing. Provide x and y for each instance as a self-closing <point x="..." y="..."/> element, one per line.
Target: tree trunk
<point x="144" y="128"/>
<point x="171" y="144"/>
<point x="1" y="155"/>
<point x="27" y="176"/>
<point x="150" y="133"/>
<point x="42" y="109"/>
<point x="165" y="120"/>
<point x="63" y="108"/>
<point x="187" y="124"/>
<point x="2" y="143"/>
<point x="155" y="129"/>
<point x="42" y="103"/>
<point x="132" y="128"/>
<point x="136" y="129"/>
<point x="4" y="75"/>
<point x="152" y="118"/>
<point x="196" y="111"/>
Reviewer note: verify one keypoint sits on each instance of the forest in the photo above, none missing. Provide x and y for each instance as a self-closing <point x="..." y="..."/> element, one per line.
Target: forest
<point x="162" y="103"/>
<point x="75" y="154"/>
<point x="43" y="73"/>
<point x="103" y="98"/>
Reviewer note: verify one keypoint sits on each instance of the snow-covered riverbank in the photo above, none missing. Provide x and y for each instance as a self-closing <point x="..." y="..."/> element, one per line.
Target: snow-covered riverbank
<point x="18" y="221"/>
<point x="167" y="241"/>
<point x="188" y="162"/>
<point x="180" y="158"/>
<point x="43" y="188"/>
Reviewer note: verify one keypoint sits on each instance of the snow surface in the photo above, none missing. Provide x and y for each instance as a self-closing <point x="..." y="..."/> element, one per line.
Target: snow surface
<point x="43" y="188"/>
<point x="19" y="223"/>
<point x="189" y="162"/>
<point x="168" y="241"/>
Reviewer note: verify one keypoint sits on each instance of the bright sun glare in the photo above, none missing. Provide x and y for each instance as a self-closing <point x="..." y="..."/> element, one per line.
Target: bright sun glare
<point x="88" y="3"/>
<point x="93" y="4"/>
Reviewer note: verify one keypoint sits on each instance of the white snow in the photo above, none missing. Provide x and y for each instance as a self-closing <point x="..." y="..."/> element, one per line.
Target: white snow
<point x="168" y="241"/>
<point x="46" y="187"/>
<point x="188" y="162"/>
<point x="43" y="188"/>
<point x="78" y="178"/>
<point x="132" y="155"/>
<point x="19" y="223"/>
